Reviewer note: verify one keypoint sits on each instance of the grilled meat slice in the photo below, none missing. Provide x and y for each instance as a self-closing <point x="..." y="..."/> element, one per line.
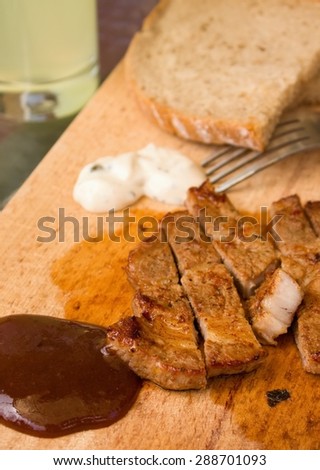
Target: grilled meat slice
<point x="293" y="228"/>
<point x="294" y="268"/>
<point x="216" y="204"/>
<point x="301" y="250"/>
<point x="230" y="346"/>
<point x="159" y="343"/>
<point x="189" y="244"/>
<point x="271" y="310"/>
<point x="151" y="263"/>
<point x="249" y="262"/>
<point x="204" y="203"/>
<point x="312" y="209"/>
<point x="229" y="343"/>
<point x="245" y="254"/>
<point x="301" y="261"/>
<point x="299" y="246"/>
<point x="307" y="328"/>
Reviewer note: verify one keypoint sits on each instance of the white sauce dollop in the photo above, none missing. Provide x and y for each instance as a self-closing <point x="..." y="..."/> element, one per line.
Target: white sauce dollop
<point x="117" y="182"/>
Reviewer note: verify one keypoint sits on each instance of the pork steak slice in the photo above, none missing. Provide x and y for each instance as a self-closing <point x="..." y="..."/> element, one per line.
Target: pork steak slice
<point x="159" y="342"/>
<point x="301" y="258"/>
<point x="244" y="252"/>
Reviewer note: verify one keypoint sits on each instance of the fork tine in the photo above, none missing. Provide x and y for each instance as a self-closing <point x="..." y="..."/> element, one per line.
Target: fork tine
<point x="287" y="132"/>
<point x="214" y="156"/>
<point x="253" y="155"/>
<point x="296" y="132"/>
<point x="267" y="160"/>
<point x="288" y="122"/>
<point x="237" y="153"/>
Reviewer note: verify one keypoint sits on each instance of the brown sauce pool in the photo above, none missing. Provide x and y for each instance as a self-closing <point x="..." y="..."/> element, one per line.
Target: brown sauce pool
<point x="57" y="377"/>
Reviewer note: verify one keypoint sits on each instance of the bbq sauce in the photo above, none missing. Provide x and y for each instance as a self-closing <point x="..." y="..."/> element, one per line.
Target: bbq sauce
<point x="57" y="376"/>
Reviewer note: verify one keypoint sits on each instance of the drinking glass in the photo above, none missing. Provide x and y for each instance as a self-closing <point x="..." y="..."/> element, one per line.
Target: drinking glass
<point x="48" y="57"/>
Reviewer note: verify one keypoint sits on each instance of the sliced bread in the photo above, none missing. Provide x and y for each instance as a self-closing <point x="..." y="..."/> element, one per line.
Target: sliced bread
<point x="222" y="71"/>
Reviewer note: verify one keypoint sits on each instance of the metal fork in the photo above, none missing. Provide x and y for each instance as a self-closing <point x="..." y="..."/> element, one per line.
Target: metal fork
<point x="296" y="131"/>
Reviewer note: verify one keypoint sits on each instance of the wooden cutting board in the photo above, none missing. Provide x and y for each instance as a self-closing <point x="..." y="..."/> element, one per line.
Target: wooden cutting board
<point x="45" y="278"/>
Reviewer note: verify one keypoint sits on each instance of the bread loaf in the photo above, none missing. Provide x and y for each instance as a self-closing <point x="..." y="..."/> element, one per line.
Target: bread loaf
<point x="222" y="71"/>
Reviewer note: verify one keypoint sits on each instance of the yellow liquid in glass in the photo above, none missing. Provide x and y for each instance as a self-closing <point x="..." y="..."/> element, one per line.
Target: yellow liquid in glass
<point x="49" y="46"/>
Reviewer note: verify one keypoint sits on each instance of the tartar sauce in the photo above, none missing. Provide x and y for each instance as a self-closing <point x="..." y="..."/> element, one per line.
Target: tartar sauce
<point x="117" y="182"/>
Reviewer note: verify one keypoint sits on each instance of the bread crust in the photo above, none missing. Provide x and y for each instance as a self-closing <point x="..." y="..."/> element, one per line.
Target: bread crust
<point x="200" y="129"/>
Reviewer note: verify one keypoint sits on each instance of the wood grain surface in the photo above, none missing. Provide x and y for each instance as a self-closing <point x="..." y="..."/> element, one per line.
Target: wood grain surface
<point x="232" y="413"/>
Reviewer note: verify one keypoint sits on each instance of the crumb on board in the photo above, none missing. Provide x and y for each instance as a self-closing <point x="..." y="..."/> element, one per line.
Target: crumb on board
<point x="276" y="396"/>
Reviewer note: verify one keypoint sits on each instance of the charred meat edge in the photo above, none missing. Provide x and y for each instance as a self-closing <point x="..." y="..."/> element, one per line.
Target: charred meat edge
<point x="230" y="346"/>
<point x="312" y="209"/>
<point x="248" y="261"/>
<point x="300" y="248"/>
<point x="159" y="342"/>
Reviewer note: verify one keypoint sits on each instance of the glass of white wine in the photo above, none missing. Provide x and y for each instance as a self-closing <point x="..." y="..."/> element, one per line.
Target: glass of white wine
<point x="48" y="57"/>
